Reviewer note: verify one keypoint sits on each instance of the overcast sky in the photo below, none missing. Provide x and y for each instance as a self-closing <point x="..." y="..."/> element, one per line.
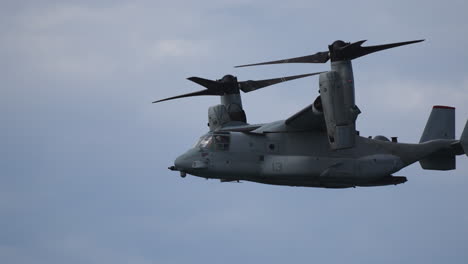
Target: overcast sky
<point x="84" y="153"/>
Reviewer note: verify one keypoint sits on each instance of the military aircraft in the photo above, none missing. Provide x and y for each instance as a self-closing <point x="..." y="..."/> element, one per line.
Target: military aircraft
<point x="319" y="146"/>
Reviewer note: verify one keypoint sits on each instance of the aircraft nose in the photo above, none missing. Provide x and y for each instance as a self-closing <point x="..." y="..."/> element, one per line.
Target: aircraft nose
<point x="182" y="163"/>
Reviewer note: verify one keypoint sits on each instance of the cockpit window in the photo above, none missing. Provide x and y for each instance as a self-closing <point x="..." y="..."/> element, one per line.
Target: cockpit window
<point x="206" y="142"/>
<point x="217" y="141"/>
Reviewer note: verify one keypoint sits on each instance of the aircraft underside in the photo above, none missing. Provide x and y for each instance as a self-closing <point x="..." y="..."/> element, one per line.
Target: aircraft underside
<point x="321" y="182"/>
<point x="333" y="183"/>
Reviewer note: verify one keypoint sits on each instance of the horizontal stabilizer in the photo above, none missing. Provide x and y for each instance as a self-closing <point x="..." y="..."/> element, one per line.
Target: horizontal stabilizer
<point x="442" y="160"/>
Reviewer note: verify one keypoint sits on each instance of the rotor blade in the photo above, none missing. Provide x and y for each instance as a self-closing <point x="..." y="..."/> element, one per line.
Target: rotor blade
<point x="209" y="84"/>
<point x="355" y="50"/>
<point x="319" y="57"/>
<point x="248" y="86"/>
<point x="202" y="92"/>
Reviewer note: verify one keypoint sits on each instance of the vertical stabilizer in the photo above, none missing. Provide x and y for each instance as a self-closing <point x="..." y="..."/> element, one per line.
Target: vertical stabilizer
<point x="464" y="139"/>
<point x="440" y="125"/>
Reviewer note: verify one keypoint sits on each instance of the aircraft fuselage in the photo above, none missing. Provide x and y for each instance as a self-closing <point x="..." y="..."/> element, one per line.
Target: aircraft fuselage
<point x="300" y="159"/>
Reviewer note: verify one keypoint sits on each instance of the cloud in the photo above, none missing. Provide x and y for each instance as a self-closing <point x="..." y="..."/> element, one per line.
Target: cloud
<point x="84" y="153"/>
<point x="89" y="41"/>
<point x="407" y="95"/>
<point x="179" y="48"/>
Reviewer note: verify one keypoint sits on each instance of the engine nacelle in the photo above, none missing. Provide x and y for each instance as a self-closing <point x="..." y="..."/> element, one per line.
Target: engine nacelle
<point x="218" y="116"/>
<point x="230" y="110"/>
<point x="317" y="107"/>
<point x="339" y="110"/>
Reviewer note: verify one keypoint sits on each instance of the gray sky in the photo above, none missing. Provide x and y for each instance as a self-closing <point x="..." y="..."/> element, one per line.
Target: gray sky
<point x="84" y="153"/>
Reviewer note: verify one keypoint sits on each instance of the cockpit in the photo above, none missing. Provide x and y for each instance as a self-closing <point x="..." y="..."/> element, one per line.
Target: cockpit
<point x="214" y="141"/>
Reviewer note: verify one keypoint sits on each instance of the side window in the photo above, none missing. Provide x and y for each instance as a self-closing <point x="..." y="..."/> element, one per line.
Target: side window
<point x="222" y="142"/>
<point x="272" y="147"/>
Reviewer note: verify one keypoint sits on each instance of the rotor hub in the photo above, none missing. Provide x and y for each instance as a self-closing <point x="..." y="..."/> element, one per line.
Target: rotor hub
<point x="338" y="44"/>
<point x="228" y="79"/>
<point x="337" y="50"/>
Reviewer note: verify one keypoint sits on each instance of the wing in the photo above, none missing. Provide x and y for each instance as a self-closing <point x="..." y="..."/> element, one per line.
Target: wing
<point x="307" y="120"/>
<point x="240" y="128"/>
<point x="304" y="120"/>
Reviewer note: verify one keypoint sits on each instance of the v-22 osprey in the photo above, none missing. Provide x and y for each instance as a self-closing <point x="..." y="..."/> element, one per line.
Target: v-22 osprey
<point x="318" y="146"/>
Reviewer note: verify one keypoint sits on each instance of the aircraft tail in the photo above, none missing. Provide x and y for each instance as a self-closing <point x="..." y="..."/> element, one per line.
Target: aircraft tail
<point x="464" y="139"/>
<point x="441" y="125"/>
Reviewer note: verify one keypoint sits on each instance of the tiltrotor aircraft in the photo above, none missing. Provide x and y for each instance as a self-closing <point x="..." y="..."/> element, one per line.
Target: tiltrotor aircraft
<point x="319" y="146"/>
